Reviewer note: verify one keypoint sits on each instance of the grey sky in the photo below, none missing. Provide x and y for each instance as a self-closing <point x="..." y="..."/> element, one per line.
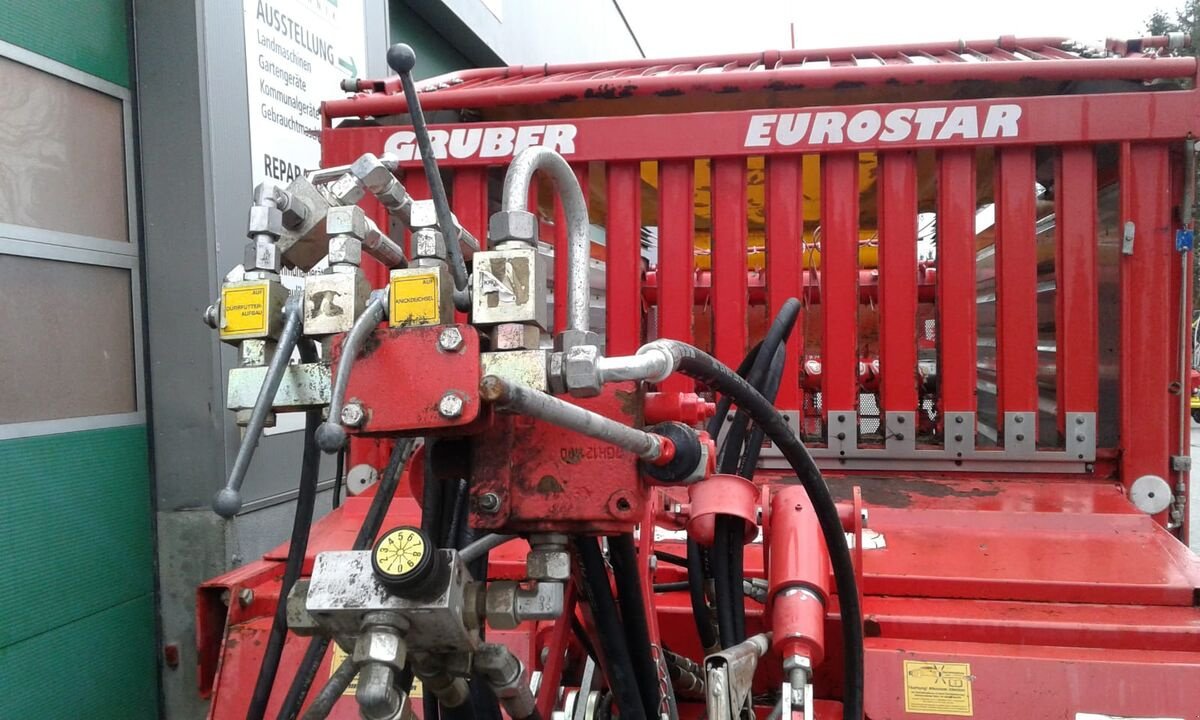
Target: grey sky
<point x="683" y="27"/>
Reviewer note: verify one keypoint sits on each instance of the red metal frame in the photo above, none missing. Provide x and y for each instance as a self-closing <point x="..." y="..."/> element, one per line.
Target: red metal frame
<point x="1039" y="578"/>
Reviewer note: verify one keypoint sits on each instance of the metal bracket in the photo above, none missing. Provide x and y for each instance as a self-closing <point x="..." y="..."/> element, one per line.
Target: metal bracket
<point x="959" y="429"/>
<point x="1081" y="435"/>
<point x="1181" y="463"/>
<point x="1127" y="238"/>
<point x="842" y="432"/>
<point x="730" y="675"/>
<point x="1020" y="434"/>
<point x="900" y="432"/>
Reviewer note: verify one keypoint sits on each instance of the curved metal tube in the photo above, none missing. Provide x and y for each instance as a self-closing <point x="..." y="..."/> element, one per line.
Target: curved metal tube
<point x="331" y="436"/>
<point x="516" y="197"/>
<point x="482" y="546"/>
<point x="228" y="500"/>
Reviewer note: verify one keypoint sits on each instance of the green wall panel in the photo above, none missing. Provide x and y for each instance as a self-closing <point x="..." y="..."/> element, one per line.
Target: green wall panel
<point x="101" y="667"/>
<point x="89" y="35"/>
<point x="75" y="528"/>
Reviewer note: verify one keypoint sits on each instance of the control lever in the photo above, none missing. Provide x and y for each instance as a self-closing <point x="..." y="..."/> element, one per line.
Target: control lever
<point x="402" y="59"/>
<point x="228" y="500"/>
<point x="331" y="436"/>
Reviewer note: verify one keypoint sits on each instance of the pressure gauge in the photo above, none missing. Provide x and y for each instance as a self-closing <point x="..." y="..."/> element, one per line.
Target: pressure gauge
<point x="403" y="560"/>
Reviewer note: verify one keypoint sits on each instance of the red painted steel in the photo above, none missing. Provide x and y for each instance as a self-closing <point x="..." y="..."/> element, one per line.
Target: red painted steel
<point x="898" y="281"/>
<point x="729" y="259"/>
<point x="1146" y="321"/>
<point x="757" y="290"/>
<point x="839" y="273"/>
<point x="676" y="257"/>
<point x="798" y="574"/>
<point x="471" y="208"/>
<point x="785" y="236"/>
<point x="1042" y="120"/>
<point x="956" y="281"/>
<point x="1016" y="286"/>
<point x="623" y="266"/>
<point x="1075" y="265"/>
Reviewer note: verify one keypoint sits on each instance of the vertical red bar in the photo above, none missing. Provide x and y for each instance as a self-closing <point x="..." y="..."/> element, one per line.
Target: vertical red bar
<point x="1016" y="285"/>
<point x="839" y="283"/>
<point x="898" y="281"/>
<point x="956" y="281"/>
<point x="729" y="283"/>
<point x="785" y="234"/>
<point x="560" y="250"/>
<point x="1076" y="309"/>
<point x="676" y="258"/>
<point x="623" y="268"/>
<point x="1147" y="323"/>
<point x="470" y="207"/>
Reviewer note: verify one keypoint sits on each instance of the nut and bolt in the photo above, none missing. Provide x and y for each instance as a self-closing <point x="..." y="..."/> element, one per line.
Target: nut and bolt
<point x="489" y="503"/>
<point x="353" y="415"/>
<point x="451" y="406"/>
<point x="450" y="339"/>
<point x="212" y="316"/>
<point x="245" y="597"/>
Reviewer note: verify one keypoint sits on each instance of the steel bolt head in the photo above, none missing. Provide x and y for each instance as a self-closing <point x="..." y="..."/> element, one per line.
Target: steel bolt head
<point x="212" y="316"/>
<point x="451" y="406"/>
<point x="353" y="415"/>
<point x="489" y="503"/>
<point x="450" y="339"/>
<point x="245" y="597"/>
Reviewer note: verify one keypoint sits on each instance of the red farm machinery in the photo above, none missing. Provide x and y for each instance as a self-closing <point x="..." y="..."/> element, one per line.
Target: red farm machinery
<point x="824" y="384"/>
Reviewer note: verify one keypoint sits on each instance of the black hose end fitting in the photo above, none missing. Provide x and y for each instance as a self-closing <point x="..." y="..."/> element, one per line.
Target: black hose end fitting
<point x="689" y="454"/>
<point x="401" y="58"/>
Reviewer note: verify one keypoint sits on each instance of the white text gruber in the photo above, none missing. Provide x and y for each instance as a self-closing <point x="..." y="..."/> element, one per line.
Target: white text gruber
<point x="834" y="127"/>
<point x="821" y="127"/>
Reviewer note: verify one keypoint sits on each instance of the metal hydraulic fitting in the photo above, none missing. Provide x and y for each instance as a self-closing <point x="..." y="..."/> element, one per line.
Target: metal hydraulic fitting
<point x="450" y="691"/>
<point x="346" y="190"/>
<point x="516" y="336"/>
<point x="429" y="245"/>
<point x="376" y="176"/>
<point x="548" y="558"/>
<point x="505" y="675"/>
<point x="581" y="373"/>
<point x="335" y="299"/>
<point x="508" y="603"/>
<point x="510" y="226"/>
<point x="382" y="640"/>
<point x="509" y="286"/>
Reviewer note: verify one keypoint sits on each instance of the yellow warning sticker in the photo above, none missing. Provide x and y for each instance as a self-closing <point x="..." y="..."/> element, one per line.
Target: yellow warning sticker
<point x="937" y="688"/>
<point x="415" y="300"/>
<point x="339" y="657"/>
<point x="245" y="308"/>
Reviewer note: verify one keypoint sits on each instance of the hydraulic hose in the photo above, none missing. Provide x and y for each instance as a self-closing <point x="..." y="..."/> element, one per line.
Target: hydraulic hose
<point x="753" y="445"/>
<point x="618" y="663"/>
<point x="371" y="524"/>
<point x="323" y="703"/>
<point x="298" y="545"/>
<point x="695" y="574"/>
<point x="633" y="619"/>
<point x="701" y="366"/>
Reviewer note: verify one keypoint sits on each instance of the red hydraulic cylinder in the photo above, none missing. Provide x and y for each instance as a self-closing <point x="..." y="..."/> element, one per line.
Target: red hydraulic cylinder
<point x="798" y="573"/>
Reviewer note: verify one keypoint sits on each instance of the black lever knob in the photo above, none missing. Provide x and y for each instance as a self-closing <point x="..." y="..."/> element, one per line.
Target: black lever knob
<point x="401" y="58"/>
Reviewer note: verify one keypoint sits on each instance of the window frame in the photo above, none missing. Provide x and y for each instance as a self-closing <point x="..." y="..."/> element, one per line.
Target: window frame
<point x="31" y="242"/>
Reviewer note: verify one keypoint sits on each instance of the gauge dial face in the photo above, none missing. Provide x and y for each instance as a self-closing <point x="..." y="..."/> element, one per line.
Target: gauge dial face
<point x="400" y="551"/>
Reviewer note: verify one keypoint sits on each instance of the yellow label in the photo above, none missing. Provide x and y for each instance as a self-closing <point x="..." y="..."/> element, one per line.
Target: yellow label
<point x="400" y="551"/>
<point x="245" y="308"/>
<point x="339" y="657"/>
<point x="937" y="688"/>
<point x="415" y="300"/>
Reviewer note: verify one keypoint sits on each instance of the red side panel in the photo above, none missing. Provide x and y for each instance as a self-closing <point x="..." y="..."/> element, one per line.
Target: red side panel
<point x="785" y="237"/>
<point x="956" y="280"/>
<point x="729" y="259"/>
<point x="898" y="281"/>
<point x="1016" y="283"/>
<point x="676" y="261"/>
<point x="839" y="282"/>
<point x="624" y="260"/>
<point x="1075" y="272"/>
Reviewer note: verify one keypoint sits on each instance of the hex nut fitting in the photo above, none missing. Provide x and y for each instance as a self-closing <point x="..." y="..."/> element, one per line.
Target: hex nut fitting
<point x="345" y="249"/>
<point x="553" y="565"/>
<point x="501" y="605"/>
<point x="371" y="172"/>
<point x="263" y="254"/>
<point x="353" y="415"/>
<point x="428" y="243"/>
<point x="347" y="190"/>
<point x="512" y="225"/>
<point x="349" y="220"/>
<point x="381" y="644"/>
<point x="489" y="503"/>
<point x="265" y="219"/>
<point x="580" y="373"/>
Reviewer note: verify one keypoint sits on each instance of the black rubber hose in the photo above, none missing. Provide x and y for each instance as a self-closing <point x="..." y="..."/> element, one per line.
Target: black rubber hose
<point x="306" y="498"/>
<point x="618" y="665"/>
<point x="700" y="609"/>
<point x="306" y="672"/>
<point x="718" y="557"/>
<point x="754" y="441"/>
<point x="623" y="558"/>
<point x="701" y="366"/>
<point x="339" y="477"/>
